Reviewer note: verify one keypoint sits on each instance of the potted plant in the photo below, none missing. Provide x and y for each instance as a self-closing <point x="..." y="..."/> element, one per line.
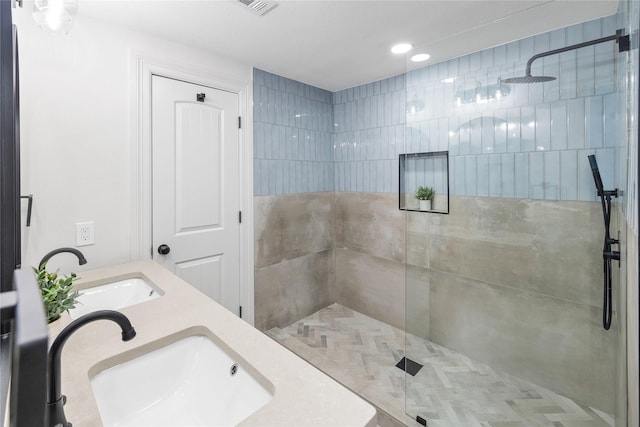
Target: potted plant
<point x="57" y="292"/>
<point x="425" y="197"/>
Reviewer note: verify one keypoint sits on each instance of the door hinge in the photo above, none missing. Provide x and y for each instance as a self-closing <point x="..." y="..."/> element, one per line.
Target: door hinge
<point x="240" y="217"/>
<point x="239" y="122"/>
<point x="240" y="312"/>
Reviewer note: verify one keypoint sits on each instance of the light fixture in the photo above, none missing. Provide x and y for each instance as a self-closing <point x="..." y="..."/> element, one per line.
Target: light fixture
<point x="415" y="105"/>
<point x="401" y="48"/>
<point x="420" y="57"/>
<point x="54" y="16"/>
<point x="483" y="94"/>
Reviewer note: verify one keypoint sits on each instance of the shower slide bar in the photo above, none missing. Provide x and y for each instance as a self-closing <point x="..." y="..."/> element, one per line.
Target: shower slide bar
<point x="608" y="255"/>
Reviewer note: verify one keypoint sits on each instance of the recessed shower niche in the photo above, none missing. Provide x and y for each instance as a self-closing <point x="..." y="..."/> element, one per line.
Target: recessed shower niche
<point x="424" y="182"/>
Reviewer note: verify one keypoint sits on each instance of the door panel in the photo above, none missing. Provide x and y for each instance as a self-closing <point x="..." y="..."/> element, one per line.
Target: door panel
<point x="198" y="147"/>
<point x="195" y="186"/>
<point x="199" y="272"/>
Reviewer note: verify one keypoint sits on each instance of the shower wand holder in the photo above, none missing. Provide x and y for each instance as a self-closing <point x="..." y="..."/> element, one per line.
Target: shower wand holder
<point x="613" y="255"/>
<point x="609" y="193"/>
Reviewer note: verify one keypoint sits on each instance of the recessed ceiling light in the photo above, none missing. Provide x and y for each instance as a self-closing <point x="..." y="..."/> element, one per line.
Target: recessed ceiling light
<point x="401" y="48"/>
<point x="420" y="57"/>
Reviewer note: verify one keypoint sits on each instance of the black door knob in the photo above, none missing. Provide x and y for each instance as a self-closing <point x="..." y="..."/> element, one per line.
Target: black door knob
<point x="164" y="249"/>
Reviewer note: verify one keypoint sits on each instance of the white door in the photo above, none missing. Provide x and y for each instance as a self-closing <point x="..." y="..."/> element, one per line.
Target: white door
<point x="195" y="166"/>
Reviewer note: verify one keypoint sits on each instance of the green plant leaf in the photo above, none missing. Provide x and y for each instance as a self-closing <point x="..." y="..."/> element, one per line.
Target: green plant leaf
<point x="424" y="193"/>
<point x="56" y="291"/>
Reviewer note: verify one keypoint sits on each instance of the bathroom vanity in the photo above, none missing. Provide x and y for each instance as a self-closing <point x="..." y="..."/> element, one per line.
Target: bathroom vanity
<point x="293" y="392"/>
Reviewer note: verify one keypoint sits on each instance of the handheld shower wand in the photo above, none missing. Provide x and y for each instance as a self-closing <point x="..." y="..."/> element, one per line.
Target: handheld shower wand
<point x="607" y="254"/>
<point x="596" y="174"/>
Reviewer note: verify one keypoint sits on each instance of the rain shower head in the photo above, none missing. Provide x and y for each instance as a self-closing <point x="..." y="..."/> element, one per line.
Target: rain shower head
<point x="623" y="46"/>
<point x="528" y="79"/>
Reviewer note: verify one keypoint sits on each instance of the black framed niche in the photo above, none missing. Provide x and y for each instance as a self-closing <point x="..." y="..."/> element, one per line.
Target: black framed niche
<point x="420" y="175"/>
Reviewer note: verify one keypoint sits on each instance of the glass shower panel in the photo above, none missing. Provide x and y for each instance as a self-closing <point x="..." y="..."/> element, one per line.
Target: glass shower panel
<point x="504" y="295"/>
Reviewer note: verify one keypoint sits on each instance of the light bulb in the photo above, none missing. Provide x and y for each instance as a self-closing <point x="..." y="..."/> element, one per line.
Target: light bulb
<point x="420" y="57"/>
<point x="54" y="16"/>
<point x="401" y="48"/>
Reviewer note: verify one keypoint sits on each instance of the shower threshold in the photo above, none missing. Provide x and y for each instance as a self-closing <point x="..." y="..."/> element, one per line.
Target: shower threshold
<point x="451" y="390"/>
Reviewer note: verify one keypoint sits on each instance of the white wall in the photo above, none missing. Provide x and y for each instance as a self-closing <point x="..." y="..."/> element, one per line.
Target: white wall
<point x="76" y="132"/>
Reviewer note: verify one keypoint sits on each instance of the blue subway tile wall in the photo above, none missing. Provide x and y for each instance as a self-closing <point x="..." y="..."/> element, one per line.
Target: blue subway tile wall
<point x="292" y="136"/>
<point x="525" y="141"/>
<point x="369" y="136"/>
<point x="504" y="140"/>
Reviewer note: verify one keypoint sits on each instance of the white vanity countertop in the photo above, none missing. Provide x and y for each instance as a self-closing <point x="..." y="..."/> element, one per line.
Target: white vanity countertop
<point x="302" y="395"/>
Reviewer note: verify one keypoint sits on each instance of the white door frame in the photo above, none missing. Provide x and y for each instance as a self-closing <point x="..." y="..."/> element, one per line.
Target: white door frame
<point x="142" y="68"/>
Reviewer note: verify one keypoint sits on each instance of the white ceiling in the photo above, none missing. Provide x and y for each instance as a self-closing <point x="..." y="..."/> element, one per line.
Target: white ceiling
<point x="340" y="44"/>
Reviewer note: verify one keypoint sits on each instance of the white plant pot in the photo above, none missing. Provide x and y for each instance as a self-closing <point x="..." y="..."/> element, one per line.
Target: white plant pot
<point x="425" y="205"/>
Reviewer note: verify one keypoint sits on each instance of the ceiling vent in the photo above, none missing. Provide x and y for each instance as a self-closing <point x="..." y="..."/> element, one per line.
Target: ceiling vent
<point x="259" y="7"/>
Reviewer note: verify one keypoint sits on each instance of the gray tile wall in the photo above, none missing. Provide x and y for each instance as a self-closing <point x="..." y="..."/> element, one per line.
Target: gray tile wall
<point x="370" y="248"/>
<point x="294" y="261"/>
<point x="517" y="284"/>
<point x="622" y="293"/>
<point x="509" y="282"/>
<point x="633" y="331"/>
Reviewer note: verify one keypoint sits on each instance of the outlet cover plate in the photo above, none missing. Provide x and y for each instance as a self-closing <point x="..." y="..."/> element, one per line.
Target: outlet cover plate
<point x="84" y="234"/>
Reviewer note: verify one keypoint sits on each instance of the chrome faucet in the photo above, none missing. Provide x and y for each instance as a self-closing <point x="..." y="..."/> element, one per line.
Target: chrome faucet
<point x="81" y="259"/>
<point x="55" y="399"/>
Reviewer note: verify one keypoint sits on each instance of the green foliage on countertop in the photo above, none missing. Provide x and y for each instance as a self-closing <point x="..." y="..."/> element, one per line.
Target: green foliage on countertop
<point x="57" y="292"/>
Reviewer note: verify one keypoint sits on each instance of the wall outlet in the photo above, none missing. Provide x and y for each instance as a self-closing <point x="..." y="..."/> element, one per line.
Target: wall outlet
<point x="84" y="233"/>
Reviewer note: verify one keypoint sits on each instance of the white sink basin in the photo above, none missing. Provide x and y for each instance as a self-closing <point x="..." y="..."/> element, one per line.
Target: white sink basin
<point x="114" y="296"/>
<point x="187" y="383"/>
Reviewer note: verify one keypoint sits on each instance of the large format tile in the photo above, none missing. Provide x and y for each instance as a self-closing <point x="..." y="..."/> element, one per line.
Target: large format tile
<point x="291" y="290"/>
<point x="554" y="248"/>
<point x="620" y="297"/>
<point x="633" y="330"/>
<point x="370" y="223"/>
<point x="418" y="301"/>
<point x="555" y="343"/>
<point x="418" y="238"/>
<point x="371" y="285"/>
<point x="291" y="226"/>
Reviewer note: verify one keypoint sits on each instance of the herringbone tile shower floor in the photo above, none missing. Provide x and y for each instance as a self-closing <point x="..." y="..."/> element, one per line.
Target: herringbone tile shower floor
<point x="450" y="390"/>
